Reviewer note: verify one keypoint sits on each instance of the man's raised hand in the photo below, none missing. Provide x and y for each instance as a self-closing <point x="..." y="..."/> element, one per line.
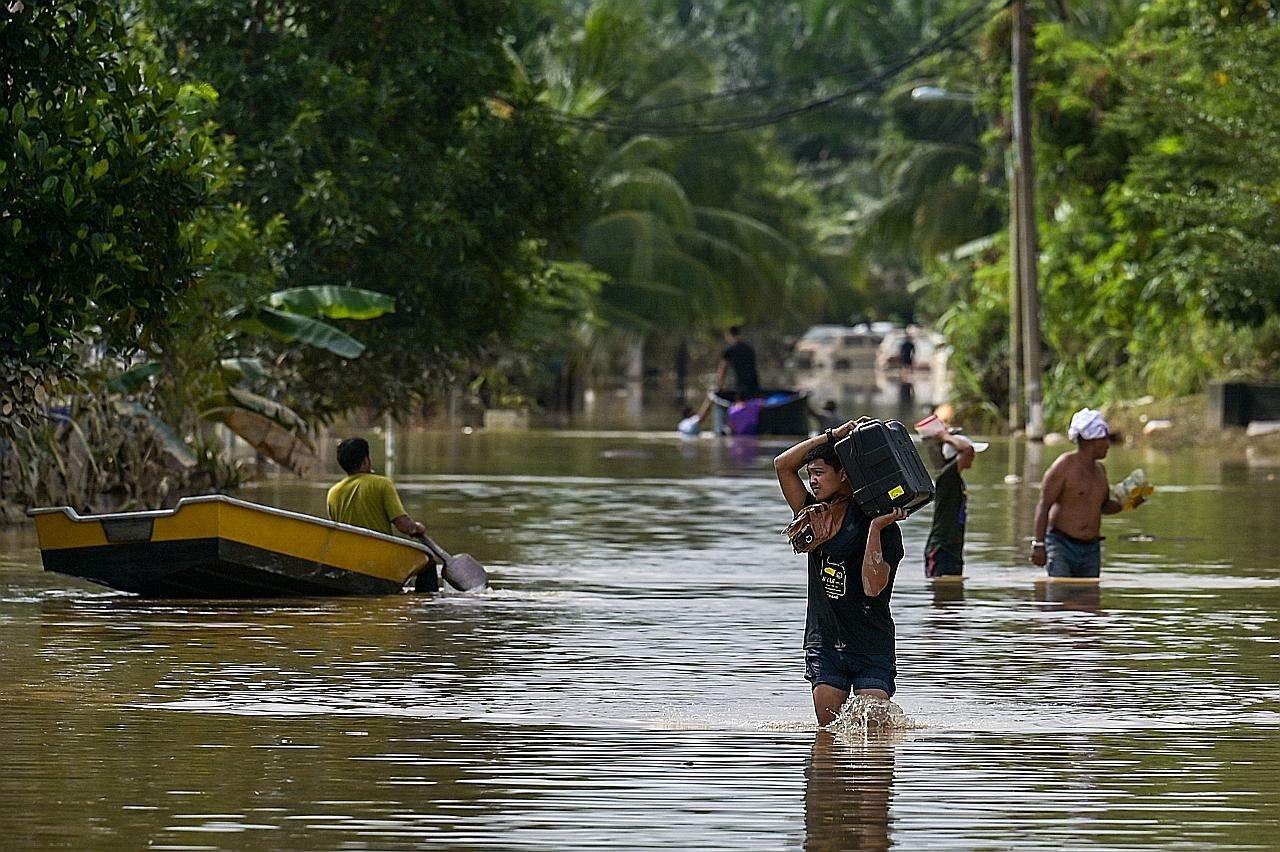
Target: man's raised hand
<point x="892" y="518"/>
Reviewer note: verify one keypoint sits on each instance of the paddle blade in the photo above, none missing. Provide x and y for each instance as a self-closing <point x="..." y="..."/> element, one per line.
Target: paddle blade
<point x="464" y="573"/>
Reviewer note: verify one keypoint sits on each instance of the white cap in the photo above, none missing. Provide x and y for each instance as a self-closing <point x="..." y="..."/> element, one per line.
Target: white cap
<point x="949" y="451"/>
<point x="1088" y="424"/>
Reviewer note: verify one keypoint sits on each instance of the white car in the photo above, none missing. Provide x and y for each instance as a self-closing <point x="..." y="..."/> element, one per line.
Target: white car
<point x="839" y="348"/>
<point x="930" y="351"/>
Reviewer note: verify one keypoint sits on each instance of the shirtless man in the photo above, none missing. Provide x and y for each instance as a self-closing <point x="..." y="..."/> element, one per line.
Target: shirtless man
<point x="1074" y="496"/>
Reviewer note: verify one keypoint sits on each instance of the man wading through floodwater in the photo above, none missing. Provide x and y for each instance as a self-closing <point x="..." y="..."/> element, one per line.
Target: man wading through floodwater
<point x="1073" y="498"/>
<point x="848" y="633"/>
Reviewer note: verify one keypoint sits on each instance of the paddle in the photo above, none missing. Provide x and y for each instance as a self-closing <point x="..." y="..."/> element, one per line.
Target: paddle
<point x="464" y="572"/>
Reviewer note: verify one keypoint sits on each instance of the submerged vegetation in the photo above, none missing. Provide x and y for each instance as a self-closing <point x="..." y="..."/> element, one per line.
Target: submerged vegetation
<point x="265" y="215"/>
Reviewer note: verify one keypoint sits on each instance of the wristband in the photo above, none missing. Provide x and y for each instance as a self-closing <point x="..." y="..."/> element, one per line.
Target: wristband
<point x="1035" y="544"/>
<point x="831" y="438"/>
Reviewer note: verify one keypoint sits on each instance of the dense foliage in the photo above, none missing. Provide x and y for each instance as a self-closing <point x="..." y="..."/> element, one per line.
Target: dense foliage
<point x="198" y="200"/>
<point x="397" y="145"/>
<point x="99" y="177"/>
<point x="1159" y="181"/>
<point x="692" y="233"/>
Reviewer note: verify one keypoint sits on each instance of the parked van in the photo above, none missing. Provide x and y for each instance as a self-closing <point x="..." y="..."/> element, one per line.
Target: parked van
<point x="839" y="348"/>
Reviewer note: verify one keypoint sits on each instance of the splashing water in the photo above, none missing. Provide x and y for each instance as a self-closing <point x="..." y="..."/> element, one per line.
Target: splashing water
<point x="863" y="715"/>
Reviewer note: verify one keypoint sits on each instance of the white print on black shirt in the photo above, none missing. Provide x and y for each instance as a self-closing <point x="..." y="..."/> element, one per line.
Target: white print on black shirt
<point x="833" y="578"/>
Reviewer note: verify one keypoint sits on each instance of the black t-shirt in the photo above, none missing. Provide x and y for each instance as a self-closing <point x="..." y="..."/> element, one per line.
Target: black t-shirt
<point x="907" y="352"/>
<point x="840" y="614"/>
<point x="950" y="512"/>
<point x="742" y="360"/>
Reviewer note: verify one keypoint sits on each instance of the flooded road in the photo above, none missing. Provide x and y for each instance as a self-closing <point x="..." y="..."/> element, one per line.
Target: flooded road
<point x="634" y="678"/>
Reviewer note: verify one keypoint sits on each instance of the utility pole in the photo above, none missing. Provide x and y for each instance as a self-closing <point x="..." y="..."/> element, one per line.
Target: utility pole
<point x="1026" y="230"/>
<point x="1015" y="298"/>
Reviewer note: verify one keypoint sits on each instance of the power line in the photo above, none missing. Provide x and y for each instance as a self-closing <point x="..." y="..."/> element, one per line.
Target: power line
<point x="746" y="122"/>
<point x="756" y="88"/>
<point x="943" y="41"/>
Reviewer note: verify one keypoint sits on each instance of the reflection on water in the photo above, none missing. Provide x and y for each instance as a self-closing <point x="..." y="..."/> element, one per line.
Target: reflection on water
<point x="947" y="591"/>
<point x="905" y="395"/>
<point x="634" y="678"/>
<point x="1082" y="596"/>
<point x="847" y="788"/>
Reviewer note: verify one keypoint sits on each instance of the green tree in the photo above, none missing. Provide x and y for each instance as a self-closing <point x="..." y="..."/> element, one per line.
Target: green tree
<point x="693" y="232"/>
<point x="890" y="182"/>
<point x="400" y="147"/>
<point x="1157" y="158"/>
<point x="99" y="177"/>
<point x="1181" y="242"/>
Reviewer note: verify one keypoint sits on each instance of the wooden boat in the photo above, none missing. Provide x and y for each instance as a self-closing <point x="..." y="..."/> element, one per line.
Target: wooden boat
<point x="219" y="547"/>
<point x="772" y="412"/>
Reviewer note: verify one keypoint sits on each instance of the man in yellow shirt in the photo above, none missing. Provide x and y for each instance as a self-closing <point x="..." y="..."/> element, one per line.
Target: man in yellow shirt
<point x="364" y="499"/>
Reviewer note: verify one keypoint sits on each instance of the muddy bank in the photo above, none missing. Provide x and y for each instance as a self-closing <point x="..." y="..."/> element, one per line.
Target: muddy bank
<point x="1190" y="427"/>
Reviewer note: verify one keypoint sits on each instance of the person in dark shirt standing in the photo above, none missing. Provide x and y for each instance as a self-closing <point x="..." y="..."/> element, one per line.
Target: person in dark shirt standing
<point x="848" y="635"/>
<point x="944" y="552"/>
<point x="739" y="356"/>
<point x="907" y="352"/>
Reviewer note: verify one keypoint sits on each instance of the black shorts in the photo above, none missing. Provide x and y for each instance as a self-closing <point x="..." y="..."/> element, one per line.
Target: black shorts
<point x="849" y="671"/>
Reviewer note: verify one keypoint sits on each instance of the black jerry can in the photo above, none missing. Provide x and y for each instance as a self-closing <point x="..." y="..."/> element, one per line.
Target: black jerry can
<point x="884" y="468"/>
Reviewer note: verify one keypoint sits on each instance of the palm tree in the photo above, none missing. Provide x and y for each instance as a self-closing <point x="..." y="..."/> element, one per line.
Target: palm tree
<point x="932" y="196"/>
<point x="681" y="252"/>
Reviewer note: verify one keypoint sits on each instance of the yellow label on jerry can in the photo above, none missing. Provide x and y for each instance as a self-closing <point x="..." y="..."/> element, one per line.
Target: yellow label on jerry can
<point x="896" y="492"/>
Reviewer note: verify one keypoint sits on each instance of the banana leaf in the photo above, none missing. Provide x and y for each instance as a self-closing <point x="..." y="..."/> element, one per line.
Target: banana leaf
<point x="236" y="369"/>
<point x="269" y="438"/>
<point x="333" y="302"/>
<point x="169" y="441"/>
<point x="295" y="328"/>
<point x="134" y="377"/>
<point x="281" y="414"/>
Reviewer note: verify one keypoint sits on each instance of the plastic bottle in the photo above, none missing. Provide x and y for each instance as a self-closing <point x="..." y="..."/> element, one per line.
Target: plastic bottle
<point x="1134" y="487"/>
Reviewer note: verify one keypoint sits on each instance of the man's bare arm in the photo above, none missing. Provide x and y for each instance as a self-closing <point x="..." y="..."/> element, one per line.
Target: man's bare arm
<point x="1055" y="479"/>
<point x="964" y="451"/>
<point x="720" y="373"/>
<point x="1050" y="490"/>
<point x="787" y="466"/>
<point x="875" y="571"/>
<point x="409" y="526"/>
<point x="1110" y="505"/>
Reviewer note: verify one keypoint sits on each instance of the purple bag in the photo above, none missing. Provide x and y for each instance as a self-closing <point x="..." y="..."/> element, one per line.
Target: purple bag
<point x="744" y="417"/>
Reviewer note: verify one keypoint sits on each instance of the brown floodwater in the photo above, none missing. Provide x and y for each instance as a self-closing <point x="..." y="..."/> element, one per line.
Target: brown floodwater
<point x="634" y="677"/>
